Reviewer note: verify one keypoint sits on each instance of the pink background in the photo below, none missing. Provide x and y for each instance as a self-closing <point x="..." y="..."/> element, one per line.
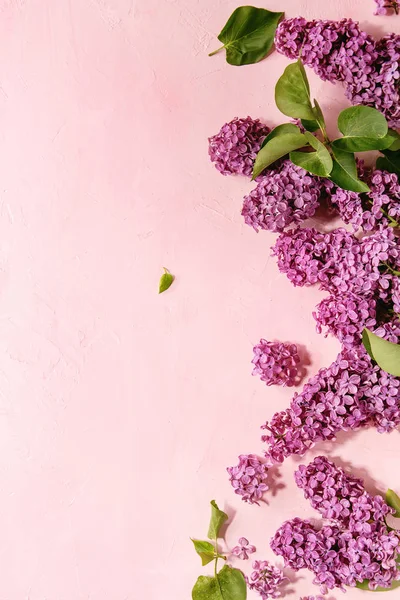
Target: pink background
<point x="120" y="408"/>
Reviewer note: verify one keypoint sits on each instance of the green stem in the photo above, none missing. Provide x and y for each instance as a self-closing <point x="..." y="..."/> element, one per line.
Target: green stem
<point x="216" y="51"/>
<point x="216" y="558"/>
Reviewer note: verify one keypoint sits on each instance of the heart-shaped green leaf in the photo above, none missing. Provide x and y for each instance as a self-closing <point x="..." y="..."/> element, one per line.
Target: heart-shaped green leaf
<point x="362" y="122"/>
<point x="393" y="500"/>
<point x="280" y="130"/>
<point x="248" y="35"/>
<point x="218" y="518"/>
<point x="344" y="172"/>
<point x="205" y="550"/>
<point x="276" y="148"/>
<point x="390" y="163"/>
<point x="292" y="93"/>
<point x="365" y="586"/>
<point x="384" y="353"/>
<point x="318" y="162"/>
<point x="229" y="584"/>
<point x="166" y="281"/>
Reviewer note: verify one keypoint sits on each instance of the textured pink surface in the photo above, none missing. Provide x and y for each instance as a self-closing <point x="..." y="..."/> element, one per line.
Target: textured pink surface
<point x="119" y="408"/>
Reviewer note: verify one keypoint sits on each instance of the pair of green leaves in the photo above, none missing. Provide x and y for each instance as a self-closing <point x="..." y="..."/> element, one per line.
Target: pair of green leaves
<point x="363" y="128"/>
<point x="228" y="583"/>
<point x="248" y="35"/>
<point x="292" y="97"/>
<point x="392" y="500"/>
<point x="384" y="353"/>
<point x="204" y="549"/>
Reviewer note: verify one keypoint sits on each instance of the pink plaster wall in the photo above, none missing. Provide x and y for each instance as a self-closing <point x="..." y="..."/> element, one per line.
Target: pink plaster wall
<point x="119" y="408"/>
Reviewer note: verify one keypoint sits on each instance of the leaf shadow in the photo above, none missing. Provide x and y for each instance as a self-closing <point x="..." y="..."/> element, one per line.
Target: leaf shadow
<point x="231" y="512"/>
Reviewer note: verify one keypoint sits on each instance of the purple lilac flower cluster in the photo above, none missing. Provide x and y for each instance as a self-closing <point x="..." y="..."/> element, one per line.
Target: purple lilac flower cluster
<point x="235" y="147"/>
<point x="380" y="206"/>
<point x="356" y="546"/>
<point x="248" y="478"/>
<point x="285" y="194"/>
<point x="387" y="7"/>
<point x="352" y="393"/>
<point x="266" y="579"/>
<point x="338" y="496"/>
<point x="360" y="276"/>
<point x="341" y="51"/>
<point x="276" y="362"/>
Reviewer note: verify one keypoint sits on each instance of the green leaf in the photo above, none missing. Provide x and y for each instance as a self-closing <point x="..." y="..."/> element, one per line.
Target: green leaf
<point x="292" y="93"/>
<point x="364" y="586"/>
<point x="362" y="144"/>
<point x="166" y="281"/>
<point x="393" y="500"/>
<point x="362" y="122"/>
<point x="229" y="584"/>
<point x="384" y="353"/>
<point x="319" y="115"/>
<point x="344" y="172"/>
<point x="390" y="163"/>
<point x="276" y="148"/>
<point x="395" y="140"/>
<point x="218" y="518"/>
<point x="319" y="162"/>
<point x="248" y="35"/>
<point x="310" y="125"/>
<point x="280" y="130"/>
<point x="205" y="550"/>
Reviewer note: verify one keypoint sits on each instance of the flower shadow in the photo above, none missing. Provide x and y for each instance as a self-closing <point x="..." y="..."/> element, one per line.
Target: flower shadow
<point x="327" y="447"/>
<point x="292" y="578"/>
<point x="370" y="484"/>
<point x="305" y="361"/>
<point x="274" y="477"/>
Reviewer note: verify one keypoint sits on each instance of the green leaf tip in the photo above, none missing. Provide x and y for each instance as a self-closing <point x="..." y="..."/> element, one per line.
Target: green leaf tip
<point x="365" y="586"/>
<point x="248" y="35"/>
<point x="384" y="353"/>
<point x="166" y="281"/>
<point x="218" y="518"/>
<point x="393" y="501"/>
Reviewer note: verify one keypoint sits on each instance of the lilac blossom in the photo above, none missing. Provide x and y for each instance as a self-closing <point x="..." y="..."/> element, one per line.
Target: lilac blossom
<point x="352" y="393"/>
<point x="285" y="194"/>
<point x="338" y="261"/>
<point x="338" y="496"/>
<point x="235" y="147"/>
<point x="356" y="546"/>
<point x="243" y="549"/>
<point x="276" y="362"/>
<point x="248" y="478"/>
<point x="345" y="316"/>
<point x="266" y="579"/>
